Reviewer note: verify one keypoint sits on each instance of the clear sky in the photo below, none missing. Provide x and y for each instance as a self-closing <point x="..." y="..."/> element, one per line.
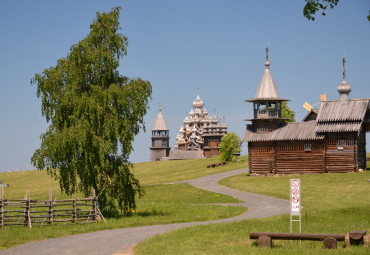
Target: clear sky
<point x="179" y="46"/>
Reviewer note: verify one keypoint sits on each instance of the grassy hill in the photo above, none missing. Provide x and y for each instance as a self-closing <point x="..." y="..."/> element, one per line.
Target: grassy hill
<point x="332" y="203"/>
<point x="162" y="204"/>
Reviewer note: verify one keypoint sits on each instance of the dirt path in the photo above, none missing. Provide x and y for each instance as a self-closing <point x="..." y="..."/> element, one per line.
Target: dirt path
<point x="123" y="240"/>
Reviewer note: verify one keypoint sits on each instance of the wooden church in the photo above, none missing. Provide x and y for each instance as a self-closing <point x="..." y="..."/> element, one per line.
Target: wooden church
<point x="328" y="140"/>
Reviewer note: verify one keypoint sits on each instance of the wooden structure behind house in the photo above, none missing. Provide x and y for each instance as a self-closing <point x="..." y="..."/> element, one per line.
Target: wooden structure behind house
<point x="328" y="140"/>
<point x="160" y="139"/>
<point x="200" y="132"/>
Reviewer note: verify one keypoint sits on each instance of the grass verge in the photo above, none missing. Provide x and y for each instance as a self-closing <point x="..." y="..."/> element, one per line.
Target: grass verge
<point x="333" y="203"/>
<point x="163" y="204"/>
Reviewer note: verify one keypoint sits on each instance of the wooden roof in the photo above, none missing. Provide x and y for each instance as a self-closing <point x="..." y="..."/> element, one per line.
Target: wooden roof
<point x="335" y="110"/>
<point x="291" y="131"/>
<point x="267" y="90"/>
<point x="180" y="154"/>
<point x="160" y="123"/>
<point x="338" y="127"/>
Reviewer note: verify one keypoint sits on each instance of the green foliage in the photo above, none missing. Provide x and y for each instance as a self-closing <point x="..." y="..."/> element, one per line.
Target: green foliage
<point x="230" y="145"/>
<point x="312" y="6"/>
<point x="94" y="114"/>
<point x="287" y="113"/>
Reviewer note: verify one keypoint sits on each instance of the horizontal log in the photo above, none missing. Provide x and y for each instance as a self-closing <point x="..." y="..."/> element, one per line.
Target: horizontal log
<point x="39" y="216"/>
<point x="63" y="214"/>
<point x="16" y="211"/>
<point x="296" y="236"/>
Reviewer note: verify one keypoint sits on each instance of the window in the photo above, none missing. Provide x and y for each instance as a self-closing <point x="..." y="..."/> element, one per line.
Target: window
<point x="307" y="147"/>
<point x="341" y="145"/>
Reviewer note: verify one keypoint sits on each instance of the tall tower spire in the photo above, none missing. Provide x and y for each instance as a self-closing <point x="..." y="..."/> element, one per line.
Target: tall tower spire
<point x="160" y="138"/>
<point x="267" y="102"/>
<point x="344" y="88"/>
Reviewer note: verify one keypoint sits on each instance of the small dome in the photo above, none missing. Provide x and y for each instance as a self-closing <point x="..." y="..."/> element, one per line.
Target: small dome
<point x="198" y="103"/>
<point x="344" y="87"/>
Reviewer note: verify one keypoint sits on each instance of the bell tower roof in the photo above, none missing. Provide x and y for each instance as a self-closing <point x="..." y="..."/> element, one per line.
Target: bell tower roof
<point x="267" y="90"/>
<point x="160" y="123"/>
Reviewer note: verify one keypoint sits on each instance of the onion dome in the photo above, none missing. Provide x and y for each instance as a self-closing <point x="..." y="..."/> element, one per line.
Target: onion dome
<point x="198" y="103"/>
<point x="344" y="88"/>
<point x="186" y="121"/>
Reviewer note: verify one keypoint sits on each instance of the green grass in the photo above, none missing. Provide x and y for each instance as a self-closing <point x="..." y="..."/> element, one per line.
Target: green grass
<point x="162" y="204"/>
<point x="179" y="170"/>
<point x="333" y="203"/>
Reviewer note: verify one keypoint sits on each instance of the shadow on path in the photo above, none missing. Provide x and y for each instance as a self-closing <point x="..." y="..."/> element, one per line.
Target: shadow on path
<point x="123" y="240"/>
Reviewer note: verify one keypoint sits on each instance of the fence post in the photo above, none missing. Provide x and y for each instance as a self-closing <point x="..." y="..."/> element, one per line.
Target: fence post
<point x="74" y="216"/>
<point x="51" y="207"/>
<point x="27" y="216"/>
<point x="2" y="204"/>
<point x="94" y="206"/>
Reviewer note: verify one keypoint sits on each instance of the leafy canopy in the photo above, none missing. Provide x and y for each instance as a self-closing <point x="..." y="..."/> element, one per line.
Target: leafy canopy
<point x="312" y="6"/>
<point x="287" y="113"/>
<point x="94" y="114"/>
<point x="229" y="146"/>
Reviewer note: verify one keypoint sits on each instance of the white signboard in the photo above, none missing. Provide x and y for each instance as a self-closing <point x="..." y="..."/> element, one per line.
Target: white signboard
<point x="295" y="196"/>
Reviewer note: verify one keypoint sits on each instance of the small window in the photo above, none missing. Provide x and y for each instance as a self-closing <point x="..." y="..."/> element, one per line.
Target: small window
<point x="307" y="147"/>
<point x="340" y="145"/>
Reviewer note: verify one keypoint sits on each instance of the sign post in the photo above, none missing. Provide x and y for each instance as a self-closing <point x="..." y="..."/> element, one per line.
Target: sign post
<point x="295" y="203"/>
<point x="2" y="186"/>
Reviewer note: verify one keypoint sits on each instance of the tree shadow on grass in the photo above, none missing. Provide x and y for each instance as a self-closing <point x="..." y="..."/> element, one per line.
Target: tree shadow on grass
<point x="153" y="212"/>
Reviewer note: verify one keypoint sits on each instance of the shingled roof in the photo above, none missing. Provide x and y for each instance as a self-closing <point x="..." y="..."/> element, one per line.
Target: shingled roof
<point x="291" y="131"/>
<point x="160" y="123"/>
<point x="267" y="90"/>
<point x="353" y="110"/>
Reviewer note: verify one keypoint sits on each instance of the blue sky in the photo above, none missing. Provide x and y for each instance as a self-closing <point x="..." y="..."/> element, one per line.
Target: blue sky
<point x="179" y="46"/>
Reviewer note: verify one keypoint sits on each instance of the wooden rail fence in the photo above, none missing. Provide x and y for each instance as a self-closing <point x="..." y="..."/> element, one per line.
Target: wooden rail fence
<point x="27" y="212"/>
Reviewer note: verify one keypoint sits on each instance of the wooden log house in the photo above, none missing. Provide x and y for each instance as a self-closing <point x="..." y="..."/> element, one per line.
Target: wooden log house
<point x="328" y="140"/>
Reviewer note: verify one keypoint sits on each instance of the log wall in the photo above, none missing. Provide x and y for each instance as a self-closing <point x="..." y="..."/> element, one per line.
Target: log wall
<point x="361" y="149"/>
<point x="291" y="157"/>
<point x="262" y="158"/>
<point x="341" y="153"/>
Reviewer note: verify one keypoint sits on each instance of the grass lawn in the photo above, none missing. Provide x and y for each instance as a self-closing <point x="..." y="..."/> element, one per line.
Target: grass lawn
<point x="333" y="203"/>
<point x="162" y="204"/>
<point x="179" y="170"/>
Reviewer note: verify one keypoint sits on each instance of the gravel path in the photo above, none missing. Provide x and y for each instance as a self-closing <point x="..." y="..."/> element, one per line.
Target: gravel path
<point x="123" y="240"/>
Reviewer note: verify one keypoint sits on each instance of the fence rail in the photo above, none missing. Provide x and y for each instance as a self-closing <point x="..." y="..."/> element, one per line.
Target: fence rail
<point x="27" y="212"/>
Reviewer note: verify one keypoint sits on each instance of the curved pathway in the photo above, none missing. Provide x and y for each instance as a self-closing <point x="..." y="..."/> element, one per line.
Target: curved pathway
<point x="123" y="240"/>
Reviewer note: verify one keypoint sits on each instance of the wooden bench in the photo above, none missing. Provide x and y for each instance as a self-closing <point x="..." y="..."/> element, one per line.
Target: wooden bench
<point x="265" y="238"/>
